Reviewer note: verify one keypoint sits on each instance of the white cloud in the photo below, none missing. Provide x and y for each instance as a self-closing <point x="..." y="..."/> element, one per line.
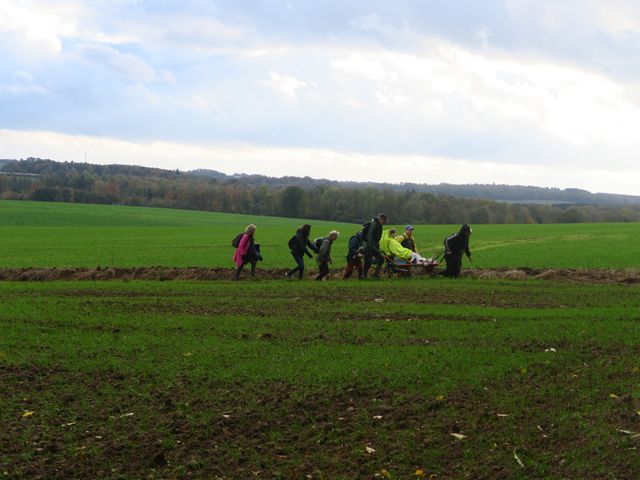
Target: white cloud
<point x="484" y="34"/>
<point x="374" y="23"/>
<point x="205" y="103"/>
<point x="125" y="64"/>
<point x="617" y="17"/>
<point x="285" y="85"/>
<point x="38" y="28"/>
<point x="362" y="63"/>
<point x="493" y="91"/>
<point x="190" y="30"/>
<point x="21" y="89"/>
<point x="352" y="102"/>
<point x="236" y="158"/>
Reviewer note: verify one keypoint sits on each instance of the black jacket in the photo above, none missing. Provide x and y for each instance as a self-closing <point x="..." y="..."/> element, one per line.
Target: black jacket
<point x="408" y="242"/>
<point x="253" y="254"/>
<point x="458" y="243"/>
<point x="354" y="247"/>
<point x="374" y="234"/>
<point x="301" y="243"/>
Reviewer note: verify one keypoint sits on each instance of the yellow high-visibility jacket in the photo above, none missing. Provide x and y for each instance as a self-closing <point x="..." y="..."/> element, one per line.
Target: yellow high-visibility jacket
<point x="391" y="247"/>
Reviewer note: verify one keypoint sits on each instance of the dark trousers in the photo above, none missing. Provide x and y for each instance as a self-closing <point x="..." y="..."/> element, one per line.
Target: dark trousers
<point x="369" y="260"/>
<point x="454" y="265"/>
<point x="351" y="266"/>
<point x="324" y="270"/>
<point x="241" y="267"/>
<point x="300" y="268"/>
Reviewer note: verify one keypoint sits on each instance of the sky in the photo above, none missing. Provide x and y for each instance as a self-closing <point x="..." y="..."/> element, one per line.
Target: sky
<point x="522" y="92"/>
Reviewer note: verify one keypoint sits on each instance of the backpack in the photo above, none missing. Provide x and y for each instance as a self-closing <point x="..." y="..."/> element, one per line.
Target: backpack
<point x="365" y="230"/>
<point x="354" y="242"/>
<point x="317" y="242"/>
<point x="292" y="242"/>
<point x="235" y="243"/>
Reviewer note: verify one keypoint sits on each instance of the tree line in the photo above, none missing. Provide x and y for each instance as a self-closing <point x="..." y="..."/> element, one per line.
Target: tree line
<point x="141" y="186"/>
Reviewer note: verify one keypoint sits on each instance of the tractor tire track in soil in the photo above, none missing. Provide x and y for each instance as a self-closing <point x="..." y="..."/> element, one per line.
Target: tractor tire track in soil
<point x="631" y="276"/>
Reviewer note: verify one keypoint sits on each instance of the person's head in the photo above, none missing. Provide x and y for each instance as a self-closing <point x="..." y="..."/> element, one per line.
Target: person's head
<point x="250" y="230"/>
<point x="408" y="230"/>
<point x="465" y="230"/>
<point x="382" y="218"/>
<point x="334" y="235"/>
<point x="393" y="232"/>
<point x="306" y="229"/>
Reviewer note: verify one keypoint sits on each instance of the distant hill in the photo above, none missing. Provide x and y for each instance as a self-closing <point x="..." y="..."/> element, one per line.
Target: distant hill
<point x="500" y="193"/>
<point x="47" y="180"/>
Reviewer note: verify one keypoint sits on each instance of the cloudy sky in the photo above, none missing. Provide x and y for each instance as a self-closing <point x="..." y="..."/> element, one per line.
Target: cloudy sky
<point x="534" y="92"/>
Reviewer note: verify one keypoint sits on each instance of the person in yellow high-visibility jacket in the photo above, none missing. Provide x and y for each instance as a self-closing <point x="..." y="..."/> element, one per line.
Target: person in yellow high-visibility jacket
<point x="392" y="248"/>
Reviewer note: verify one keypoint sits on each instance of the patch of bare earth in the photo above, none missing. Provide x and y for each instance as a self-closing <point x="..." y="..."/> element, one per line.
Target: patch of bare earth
<point x="201" y="273"/>
<point x="558" y="422"/>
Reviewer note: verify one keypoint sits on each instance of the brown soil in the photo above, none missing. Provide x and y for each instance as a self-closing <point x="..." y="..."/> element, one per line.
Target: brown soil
<point x="200" y="273"/>
<point x="99" y="426"/>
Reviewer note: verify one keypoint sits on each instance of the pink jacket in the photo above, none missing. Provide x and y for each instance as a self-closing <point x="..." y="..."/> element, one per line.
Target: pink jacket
<point x="242" y="250"/>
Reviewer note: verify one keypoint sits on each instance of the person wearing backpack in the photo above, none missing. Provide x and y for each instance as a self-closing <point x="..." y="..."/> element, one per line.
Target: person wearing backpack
<point x="298" y="245"/>
<point x="371" y="235"/>
<point x="355" y="253"/>
<point x="454" y="247"/>
<point x="246" y="251"/>
<point x="324" y="252"/>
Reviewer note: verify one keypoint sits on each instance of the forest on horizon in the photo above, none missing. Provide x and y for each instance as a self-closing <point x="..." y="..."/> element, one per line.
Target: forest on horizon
<point x="47" y="180"/>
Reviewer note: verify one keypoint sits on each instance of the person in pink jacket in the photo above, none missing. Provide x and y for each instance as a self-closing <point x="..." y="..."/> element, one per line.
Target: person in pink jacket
<point x="245" y="253"/>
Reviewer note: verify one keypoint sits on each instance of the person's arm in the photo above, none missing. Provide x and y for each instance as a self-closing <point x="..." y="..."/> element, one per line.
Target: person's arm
<point x="371" y="241"/>
<point x="447" y="247"/>
<point x="303" y="246"/>
<point x="310" y="245"/>
<point x="466" y="249"/>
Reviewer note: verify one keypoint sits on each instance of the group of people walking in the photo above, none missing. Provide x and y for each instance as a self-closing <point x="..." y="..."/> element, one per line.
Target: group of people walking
<point x="367" y="248"/>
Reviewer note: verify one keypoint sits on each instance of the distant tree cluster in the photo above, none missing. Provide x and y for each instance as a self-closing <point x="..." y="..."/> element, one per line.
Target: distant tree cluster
<point x="140" y="186"/>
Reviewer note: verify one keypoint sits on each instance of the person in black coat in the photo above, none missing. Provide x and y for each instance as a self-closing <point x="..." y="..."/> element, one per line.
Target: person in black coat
<point x="354" y="257"/>
<point x="371" y="234"/>
<point x="298" y="245"/>
<point x="454" y="247"/>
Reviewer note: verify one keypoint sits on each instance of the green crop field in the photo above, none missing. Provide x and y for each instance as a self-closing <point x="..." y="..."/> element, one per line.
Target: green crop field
<point x="424" y="379"/>
<point x="73" y="235"/>
<point x="429" y="378"/>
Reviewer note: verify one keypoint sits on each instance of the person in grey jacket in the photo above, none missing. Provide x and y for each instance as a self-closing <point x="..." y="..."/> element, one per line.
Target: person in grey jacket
<point x="324" y="253"/>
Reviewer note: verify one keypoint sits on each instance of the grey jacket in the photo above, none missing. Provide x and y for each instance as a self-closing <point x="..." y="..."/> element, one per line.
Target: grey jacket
<point x="324" y="252"/>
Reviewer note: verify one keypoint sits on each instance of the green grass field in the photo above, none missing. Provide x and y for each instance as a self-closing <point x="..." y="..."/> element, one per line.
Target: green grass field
<point x="428" y="378"/>
<point x="73" y="235"/>
<point x="295" y="380"/>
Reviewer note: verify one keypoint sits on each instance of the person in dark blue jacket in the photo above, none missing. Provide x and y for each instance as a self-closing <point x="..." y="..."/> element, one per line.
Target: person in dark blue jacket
<point x="354" y="257"/>
<point x="298" y="245"/>
<point x="454" y="247"/>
